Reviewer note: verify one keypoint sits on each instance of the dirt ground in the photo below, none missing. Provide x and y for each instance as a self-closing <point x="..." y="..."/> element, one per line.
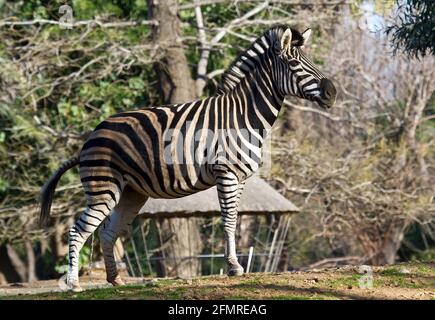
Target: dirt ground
<point x="403" y="281"/>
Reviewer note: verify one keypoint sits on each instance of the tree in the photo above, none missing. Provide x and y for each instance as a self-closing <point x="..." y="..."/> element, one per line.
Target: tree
<point x="364" y="170"/>
<point x="414" y="28"/>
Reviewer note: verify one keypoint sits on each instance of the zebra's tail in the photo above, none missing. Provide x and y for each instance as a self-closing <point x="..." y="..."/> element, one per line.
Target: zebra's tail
<point x="47" y="191"/>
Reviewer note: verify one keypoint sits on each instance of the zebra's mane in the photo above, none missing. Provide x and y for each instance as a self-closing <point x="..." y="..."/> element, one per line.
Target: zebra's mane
<point x="239" y="68"/>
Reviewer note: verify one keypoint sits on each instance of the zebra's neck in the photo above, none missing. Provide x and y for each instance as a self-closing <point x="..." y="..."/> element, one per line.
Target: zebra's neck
<point x="257" y="99"/>
<point x="251" y="83"/>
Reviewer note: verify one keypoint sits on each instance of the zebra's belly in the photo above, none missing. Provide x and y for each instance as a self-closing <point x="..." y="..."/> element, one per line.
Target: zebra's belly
<point x="174" y="181"/>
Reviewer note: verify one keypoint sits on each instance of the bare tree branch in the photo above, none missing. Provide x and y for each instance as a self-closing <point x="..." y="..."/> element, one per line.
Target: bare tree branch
<point x="88" y="23"/>
<point x="284" y="2"/>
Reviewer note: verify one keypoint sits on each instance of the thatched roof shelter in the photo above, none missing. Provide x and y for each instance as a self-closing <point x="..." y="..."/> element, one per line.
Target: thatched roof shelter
<point x="258" y="198"/>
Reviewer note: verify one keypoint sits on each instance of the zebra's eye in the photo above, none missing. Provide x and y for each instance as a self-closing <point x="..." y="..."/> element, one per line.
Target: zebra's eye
<point x="294" y="62"/>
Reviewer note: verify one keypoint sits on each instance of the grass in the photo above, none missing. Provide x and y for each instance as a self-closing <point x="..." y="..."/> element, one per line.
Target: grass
<point x="419" y="278"/>
<point x="406" y="281"/>
<point x="344" y="281"/>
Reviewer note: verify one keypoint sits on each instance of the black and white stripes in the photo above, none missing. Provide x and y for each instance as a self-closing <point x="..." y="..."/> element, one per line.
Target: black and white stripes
<point x="176" y="150"/>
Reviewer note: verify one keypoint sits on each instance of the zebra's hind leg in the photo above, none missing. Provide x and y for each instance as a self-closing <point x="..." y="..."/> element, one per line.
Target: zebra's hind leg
<point x="79" y="233"/>
<point x="229" y="192"/>
<point x="116" y="225"/>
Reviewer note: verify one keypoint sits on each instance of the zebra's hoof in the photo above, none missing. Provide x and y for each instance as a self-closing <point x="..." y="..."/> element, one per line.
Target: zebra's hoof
<point x="235" y="271"/>
<point x="75" y="287"/>
<point x="117" y="281"/>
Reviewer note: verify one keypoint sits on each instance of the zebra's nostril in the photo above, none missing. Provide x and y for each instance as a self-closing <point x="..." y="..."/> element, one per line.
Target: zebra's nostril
<point x="328" y="88"/>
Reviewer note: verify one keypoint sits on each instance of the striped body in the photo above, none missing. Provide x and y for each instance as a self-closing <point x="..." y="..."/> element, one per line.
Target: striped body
<point x="172" y="151"/>
<point x="177" y="150"/>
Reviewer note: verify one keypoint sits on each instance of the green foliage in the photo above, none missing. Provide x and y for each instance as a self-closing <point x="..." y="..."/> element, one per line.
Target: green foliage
<point x="425" y="256"/>
<point x="417" y="245"/>
<point x="414" y="29"/>
<point x="62" y="266"/>
<point x="66" y="83"/>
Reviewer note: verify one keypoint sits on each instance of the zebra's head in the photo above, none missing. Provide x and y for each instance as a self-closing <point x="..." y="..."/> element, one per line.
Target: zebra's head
<point x="297" y="75"/>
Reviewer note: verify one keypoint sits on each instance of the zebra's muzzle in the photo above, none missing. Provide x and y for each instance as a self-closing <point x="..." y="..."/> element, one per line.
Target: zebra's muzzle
<point x="324" y="103"/>
<point x="328" y="95"/>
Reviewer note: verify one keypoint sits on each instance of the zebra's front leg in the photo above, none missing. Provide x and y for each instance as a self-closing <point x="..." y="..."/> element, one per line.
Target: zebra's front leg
<point x="229" y="192"/>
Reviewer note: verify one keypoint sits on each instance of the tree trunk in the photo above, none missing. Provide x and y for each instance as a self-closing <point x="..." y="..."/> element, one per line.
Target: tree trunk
<point x="408" y="159"/>
<point x="31" y="262"/>
<point x="176" y="86"/>
<point x="175" y="81"/>
<point x="184" y="244"/>
<point x="59" y="247"/>
<point x="8" y="273"/>
<point x="17" y="263"/>
<point x="390" y="245"/>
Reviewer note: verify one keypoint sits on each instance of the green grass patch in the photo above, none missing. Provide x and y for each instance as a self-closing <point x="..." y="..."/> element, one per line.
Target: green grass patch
<point x="424" y="268"/>
<point x="253" y="281"/>
<point x="344" y="280"/>
<point x="391" y="272"/>
<point x="420" y="278"/>
<point x="302" y="297"/>
<point x="239" y="297"/>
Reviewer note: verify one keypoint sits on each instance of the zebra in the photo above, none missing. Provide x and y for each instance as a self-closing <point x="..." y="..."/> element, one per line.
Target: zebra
<point x="172" y="151"/>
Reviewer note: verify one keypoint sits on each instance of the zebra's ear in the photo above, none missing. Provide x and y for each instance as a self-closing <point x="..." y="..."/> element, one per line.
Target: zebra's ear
<point x="306" y="35"/>
<point x="286" y="40"/>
